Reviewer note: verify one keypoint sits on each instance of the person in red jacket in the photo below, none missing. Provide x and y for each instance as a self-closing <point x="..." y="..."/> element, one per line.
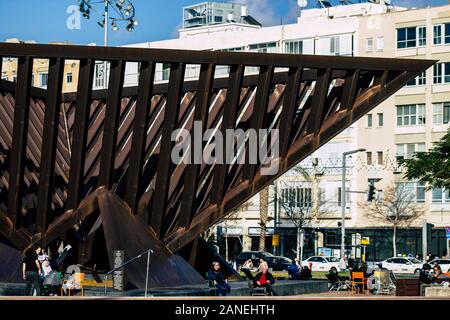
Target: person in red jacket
<point x="264" y="278"/>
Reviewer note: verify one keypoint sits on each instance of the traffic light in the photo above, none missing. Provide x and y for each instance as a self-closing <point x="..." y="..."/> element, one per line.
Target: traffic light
<point x="429" y="230"/>
<point x="371" y="194"/>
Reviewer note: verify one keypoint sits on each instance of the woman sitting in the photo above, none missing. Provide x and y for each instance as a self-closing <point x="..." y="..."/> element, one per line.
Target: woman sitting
<point x="264" y="279"/>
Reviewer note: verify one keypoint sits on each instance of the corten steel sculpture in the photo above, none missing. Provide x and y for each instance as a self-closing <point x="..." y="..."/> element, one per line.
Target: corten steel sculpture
<point x="100" y="161"/>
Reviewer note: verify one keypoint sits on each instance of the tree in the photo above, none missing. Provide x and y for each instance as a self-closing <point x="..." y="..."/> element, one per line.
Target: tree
<point x="264" y="215"/>
<point x="301" y="201"/>
<point x="397" y="208"/>
<point x="227" y="221"/>
<point x="431" y="168"/>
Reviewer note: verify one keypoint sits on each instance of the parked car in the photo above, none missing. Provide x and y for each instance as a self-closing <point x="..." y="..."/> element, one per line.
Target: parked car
<point x="443" y="263"/>
<point x="318" y="263"/>
<point x="276" y="263"/>
<point x="254" y="256"/>
<point x="402" y="265"/>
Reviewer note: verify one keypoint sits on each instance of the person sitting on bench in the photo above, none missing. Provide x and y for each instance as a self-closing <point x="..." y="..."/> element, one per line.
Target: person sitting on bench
<point x="294" y="271"/>
<point x="264" y="279"/>
<point x="217" y="275"/>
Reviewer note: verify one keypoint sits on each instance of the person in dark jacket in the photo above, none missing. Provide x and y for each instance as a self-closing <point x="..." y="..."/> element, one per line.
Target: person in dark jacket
<point x="351" y="262"/>
<point x="425" y="275"/>
<point x="31" y="269"/>
<point x="306" y="273"/>
<point x="294" y="271"/>
<point x="264" y="278"/>
<point x="217" y="275"/>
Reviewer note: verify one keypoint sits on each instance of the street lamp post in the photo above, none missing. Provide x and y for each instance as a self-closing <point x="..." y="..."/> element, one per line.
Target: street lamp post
<point x="125" y="12"/>
<point x="344" y="155"/>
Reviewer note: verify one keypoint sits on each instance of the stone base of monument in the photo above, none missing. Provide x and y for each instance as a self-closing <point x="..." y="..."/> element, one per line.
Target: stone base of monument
<point x="438" y="291"/>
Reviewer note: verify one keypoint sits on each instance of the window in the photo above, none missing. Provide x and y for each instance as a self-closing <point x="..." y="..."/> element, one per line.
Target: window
<point x="335" y="45"/>
<point x="369" y="44"/>
<point x="437" y="34"/>
<point x="441" y="72"/>
<point x="422" y="36"/>
<point x="43" y="77"/>
<point x="447" y="33"/>
<point x="270" y="47"/>
<point x="410" y="115"/>
<point x="436" y="194"/>
<point x="437" y="73"/>
<point x="406" y="37"/>
<point x="235" y="49"/>
<point x="69" y="77"/>
<point x="296" y="197"/>
<point x="407" y="150"/>
<point x="218" y="19"/>
<point x="416" y="190"/>
<point x="99" y="78"/>
<point x="369" y="120"/>
<point x="441" y="113"/>
<point x="420" y="193"/>
<point x="339" y="197"/>
<point x="380" y="119"/>
<point x="380" y="44"/>
<point x="420" y="80"/>
<point x="380" y="157"/>
<point x="293" y="47"/>
<point x="369" y="158"/>
<point x="440" y="195"/>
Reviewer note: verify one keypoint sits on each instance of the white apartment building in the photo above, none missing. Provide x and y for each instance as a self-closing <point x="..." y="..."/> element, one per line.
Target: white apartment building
<point x="363" y="29"/>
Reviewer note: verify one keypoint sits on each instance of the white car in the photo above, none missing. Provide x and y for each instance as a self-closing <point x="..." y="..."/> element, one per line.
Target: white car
<point x="318" y="263"/>
<point x="443" y="263"/>
<point x="402" y="265"/>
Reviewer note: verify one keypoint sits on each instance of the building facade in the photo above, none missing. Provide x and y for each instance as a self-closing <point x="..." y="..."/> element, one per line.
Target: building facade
<point x="39" y="77"/>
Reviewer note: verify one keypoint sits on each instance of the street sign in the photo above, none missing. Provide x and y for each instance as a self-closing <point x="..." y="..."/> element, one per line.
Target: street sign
<point x="276" y="240"/>
<point x="365" y="241"/>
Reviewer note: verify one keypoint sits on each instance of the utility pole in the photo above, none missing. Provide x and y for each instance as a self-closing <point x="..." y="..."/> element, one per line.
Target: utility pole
<point x="343" y="194"/>
<point x="105" y="64"/>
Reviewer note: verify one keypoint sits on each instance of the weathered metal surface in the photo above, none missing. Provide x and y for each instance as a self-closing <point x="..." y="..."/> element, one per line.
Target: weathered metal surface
<point x="60" y="152"/>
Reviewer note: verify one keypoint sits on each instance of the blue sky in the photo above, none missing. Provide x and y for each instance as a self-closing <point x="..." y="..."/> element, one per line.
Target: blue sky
<point x="45" y="20"/>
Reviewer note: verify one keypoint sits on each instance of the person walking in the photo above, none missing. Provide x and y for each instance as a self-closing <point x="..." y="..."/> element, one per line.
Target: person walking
<point x="343" y="263"/>
<point x="31" y="268"/>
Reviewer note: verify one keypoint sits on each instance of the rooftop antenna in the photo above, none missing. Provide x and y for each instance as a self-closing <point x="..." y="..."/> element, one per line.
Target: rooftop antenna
<point x="302" y="4"/>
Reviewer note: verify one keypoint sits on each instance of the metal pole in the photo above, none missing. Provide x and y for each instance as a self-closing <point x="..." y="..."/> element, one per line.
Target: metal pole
<point x="302" y="241"/>
<point x="448" y="246"/>
<point x="343" y="206"/>
<point x="424" y="240"/>
<point x="106" y="280"/>
<point x="105" y="26"/>
<point x="146" y="277"/>
<point x="343" y="193"/>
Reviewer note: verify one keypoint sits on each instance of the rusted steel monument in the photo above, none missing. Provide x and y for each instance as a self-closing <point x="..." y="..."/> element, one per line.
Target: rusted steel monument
<point x="95" y="167"/>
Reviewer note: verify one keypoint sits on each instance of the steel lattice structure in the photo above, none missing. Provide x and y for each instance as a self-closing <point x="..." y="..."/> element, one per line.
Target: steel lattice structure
<point x="110" y="170"/>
